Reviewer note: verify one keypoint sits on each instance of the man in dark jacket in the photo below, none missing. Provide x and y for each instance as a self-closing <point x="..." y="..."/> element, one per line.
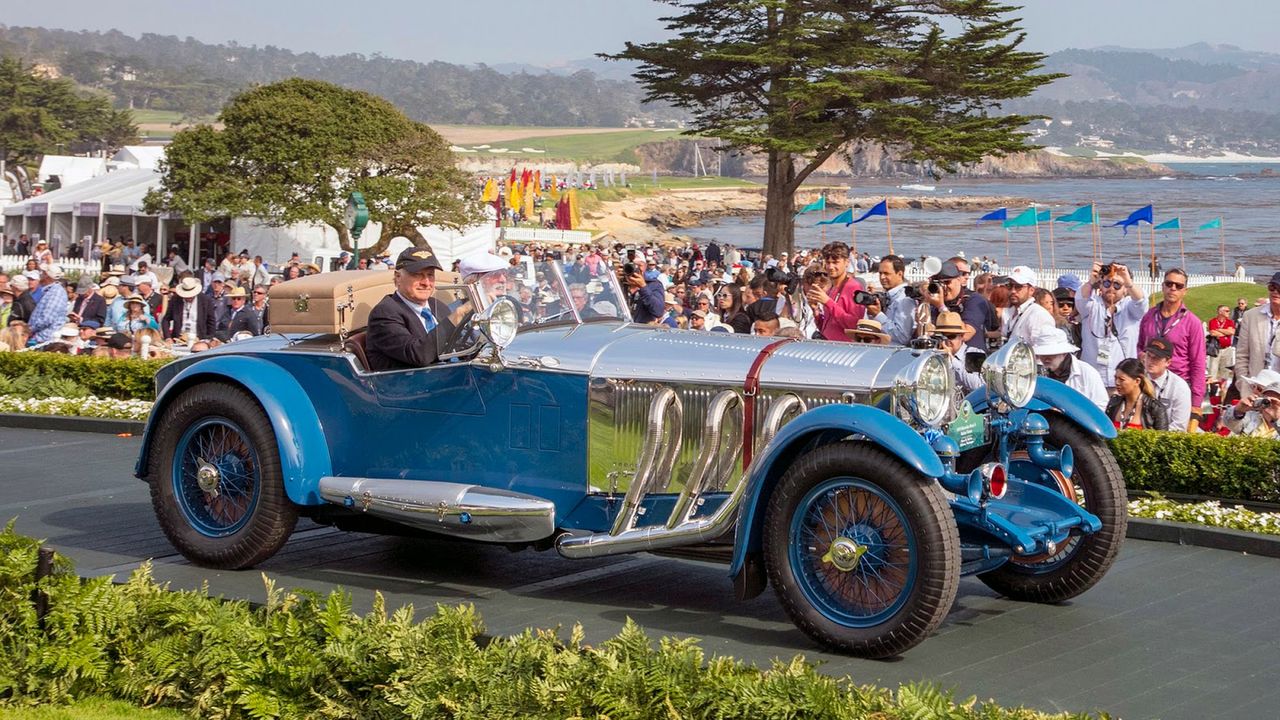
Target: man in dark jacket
<point x="646" y="294"/>
<point x="408" y="328"/>
<point x="190" y="313"/>
<point x="89" y="306"/>
<point x="239" y="318"/>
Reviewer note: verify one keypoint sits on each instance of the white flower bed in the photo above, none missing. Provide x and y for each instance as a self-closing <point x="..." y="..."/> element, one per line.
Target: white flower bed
<point x="1211" y="513"/>
<point x="83" y="407"/>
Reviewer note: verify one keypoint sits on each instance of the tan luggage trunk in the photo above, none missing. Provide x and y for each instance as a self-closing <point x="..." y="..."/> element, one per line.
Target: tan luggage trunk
<point x="325" y="302"/>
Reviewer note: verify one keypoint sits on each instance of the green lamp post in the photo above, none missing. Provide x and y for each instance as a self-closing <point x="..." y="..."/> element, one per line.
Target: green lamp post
<point x="356" y="216"/>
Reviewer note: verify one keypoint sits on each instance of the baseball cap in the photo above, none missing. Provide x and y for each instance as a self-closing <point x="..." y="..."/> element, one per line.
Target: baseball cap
<point x="417" y="259"/>
<point x="119" y="341"/>
<point x="1159" y="348"/>
<point x="53" y="270"/>
<point x="1275" y="279"/>
<point x="1064" y="295"/>
<point x="949" y="271"/>
<point x="1070" y="282"/>
<point x="1023" y="275"/>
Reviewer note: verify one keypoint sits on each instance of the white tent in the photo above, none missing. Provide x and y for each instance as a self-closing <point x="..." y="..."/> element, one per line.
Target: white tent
<point x="146" y="157"/>
<point x="277" y="243"/>
<point x="70" y="169"/>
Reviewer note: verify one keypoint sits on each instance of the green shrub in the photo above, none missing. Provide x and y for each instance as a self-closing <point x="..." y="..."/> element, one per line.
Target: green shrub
<point x="33" y="385"/>
<point x="1233" y="468"/>
<point x="128" y="379"/>
<point x="302" y="655"/>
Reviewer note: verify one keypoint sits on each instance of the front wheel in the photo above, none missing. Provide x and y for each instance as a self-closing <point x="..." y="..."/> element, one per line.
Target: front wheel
<point x="862" y="551"/>
<point x="1079" y="563"/>
<point x="216" y="484"/>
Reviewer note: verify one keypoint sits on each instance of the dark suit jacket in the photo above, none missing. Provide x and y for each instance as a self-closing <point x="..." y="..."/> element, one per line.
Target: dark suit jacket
<point x="92" y="308"/>
<point x="171" y="325"/>
<point x="23" y="306"/>
<point x="246" y="319"/>
<point x="397" y="339"/>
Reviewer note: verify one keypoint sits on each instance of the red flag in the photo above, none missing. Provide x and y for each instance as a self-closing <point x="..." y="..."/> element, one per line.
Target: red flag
<point x="513" y="175"/>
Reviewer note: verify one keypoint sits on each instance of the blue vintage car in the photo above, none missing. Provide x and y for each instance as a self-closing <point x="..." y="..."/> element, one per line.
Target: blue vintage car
<point x="850" y="477"/>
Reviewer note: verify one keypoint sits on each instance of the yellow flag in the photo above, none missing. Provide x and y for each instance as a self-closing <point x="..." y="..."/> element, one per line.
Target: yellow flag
<point x="514" y="199"/>
<point x="528" y="200"/>
<point x="490" y="191"/>
<point x="574" y="218"/>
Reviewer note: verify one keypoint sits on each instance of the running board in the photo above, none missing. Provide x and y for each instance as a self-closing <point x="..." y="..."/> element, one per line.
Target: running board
<point x="466" y="511"/>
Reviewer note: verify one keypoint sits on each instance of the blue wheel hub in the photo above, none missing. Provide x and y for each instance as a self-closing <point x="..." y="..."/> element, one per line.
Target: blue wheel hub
<point x="216" y="477"/>
<point x="852" y="552"/>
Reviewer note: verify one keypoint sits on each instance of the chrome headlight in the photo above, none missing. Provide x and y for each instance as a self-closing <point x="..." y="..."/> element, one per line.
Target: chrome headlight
<point x="1010" y="374"/>
<point x="500" y="321"/>
<point x="926" y="388"/>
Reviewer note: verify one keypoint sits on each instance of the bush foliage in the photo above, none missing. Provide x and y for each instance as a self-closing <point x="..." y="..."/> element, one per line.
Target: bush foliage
<point x="302" y="655"/>
<point x="1234" y="468"/>
<point x="128" y="379"/>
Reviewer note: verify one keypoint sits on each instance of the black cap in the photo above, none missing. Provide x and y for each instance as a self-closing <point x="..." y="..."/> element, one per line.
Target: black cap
<point x="949" y="271"/>
<point x="119" y="341"/>
<point x="763" y="309"/>
<point x="1064" y="295"/>
<point x="1275" y="279"/>
<point x="1159" y="348"/>
<point x="417" y="259"/>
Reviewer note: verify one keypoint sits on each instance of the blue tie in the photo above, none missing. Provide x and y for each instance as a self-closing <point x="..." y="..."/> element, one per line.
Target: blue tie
<point x="429" y="318"/>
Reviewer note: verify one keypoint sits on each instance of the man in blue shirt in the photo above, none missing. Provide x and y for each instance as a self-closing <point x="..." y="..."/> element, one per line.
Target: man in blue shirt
<point x="52" y="307"/>
<point x="898" y="317"/>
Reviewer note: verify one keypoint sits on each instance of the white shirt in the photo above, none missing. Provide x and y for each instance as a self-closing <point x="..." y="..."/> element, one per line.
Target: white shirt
<point x="1027" y="321"/>
<point x="1120" y="341"/>
<point x="899" y="319"/>
<point x="189" y="318"/>
<point x="1271" y="360"/>
<point x="1086" y="380"/>
<point x="1174" y="392"/>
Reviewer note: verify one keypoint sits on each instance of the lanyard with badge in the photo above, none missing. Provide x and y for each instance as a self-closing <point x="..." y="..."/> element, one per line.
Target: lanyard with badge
<point x="1108" y="337"/>
<point x="1273" y="344"/>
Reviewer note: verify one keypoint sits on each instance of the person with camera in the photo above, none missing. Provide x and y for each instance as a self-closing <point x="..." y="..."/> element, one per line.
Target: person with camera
<point x="1111" y="309"/>
<point x="946" y="291"/>
<point x="1258" y="347"/>
<point x="646" y="296"/>
<point x="837" y="310"/>
<point x="1171" y="390"/>
<point x="951" y="329"/>
<point x="898" y="304"/>
<point x="1258" y="413"/>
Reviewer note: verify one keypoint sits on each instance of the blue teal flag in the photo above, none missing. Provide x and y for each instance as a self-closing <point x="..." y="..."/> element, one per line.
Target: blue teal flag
<point x="1174" y="224"/>
<point x="1043" y="216"/>
<point x="1142" y="214"/>
<point x="880" y="208"/>
<point x="1081" y="215"/>
<point x="995" y="216"/>
<point x="1213" y="224"/>
<point x="845" y="217"/>
<point x="1027" y="218"/>
<point x="819" y="204"/>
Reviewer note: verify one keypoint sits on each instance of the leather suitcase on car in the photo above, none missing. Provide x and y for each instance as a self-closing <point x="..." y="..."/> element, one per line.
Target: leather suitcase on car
<point x="325" y="302"/>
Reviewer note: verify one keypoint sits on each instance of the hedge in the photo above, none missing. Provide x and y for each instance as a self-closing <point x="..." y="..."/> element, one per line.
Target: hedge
<point x="124" y="378"/>
<point x="1235" y="468"/>
<point x="301" y="655"/>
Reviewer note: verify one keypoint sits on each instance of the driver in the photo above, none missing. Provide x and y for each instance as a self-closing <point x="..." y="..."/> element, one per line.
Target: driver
<point x="405" y="326"/>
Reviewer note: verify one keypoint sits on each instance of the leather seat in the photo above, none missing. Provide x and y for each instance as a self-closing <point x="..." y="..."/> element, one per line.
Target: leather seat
<point x="355" y="345"/>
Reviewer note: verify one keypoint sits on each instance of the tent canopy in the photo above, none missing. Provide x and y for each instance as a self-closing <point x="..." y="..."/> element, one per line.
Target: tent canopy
<point x="146" y="157"/>
<point x="120" y="193"/>
<point x="71" y="169"/>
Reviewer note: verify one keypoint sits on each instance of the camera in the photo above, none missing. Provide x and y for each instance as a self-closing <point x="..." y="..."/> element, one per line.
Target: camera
<point x="862" y="297"/>
<point x="629" y="269"/>
<point x="1262" y="402"/>
<point x="1106" y="270"/>
<point x="912" y="292"/>
<point x="788" y="280"/>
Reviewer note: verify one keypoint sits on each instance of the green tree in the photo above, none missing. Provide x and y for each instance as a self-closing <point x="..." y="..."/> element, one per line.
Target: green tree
<point x="294" y="151"/>
<point x="40" y="115"/>
<point x="803" y="79"/>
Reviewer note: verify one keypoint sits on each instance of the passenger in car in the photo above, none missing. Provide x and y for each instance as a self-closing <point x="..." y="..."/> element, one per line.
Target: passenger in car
<point x="406" y="326"/>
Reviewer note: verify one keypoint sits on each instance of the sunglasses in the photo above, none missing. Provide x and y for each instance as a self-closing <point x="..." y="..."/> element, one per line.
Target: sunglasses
<point x="724" y="296"/>
<point x="1108" y="284"/>
<point x="258" y="292"/>
<point x="1174" y="285"/>
<point x="1272" y="287"/>
<point x="1066" y="305"/>
<point x="1017" y="286"/>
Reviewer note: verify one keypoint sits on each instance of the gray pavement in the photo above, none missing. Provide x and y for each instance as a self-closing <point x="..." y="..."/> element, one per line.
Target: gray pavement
<point x="1171" y="632"/>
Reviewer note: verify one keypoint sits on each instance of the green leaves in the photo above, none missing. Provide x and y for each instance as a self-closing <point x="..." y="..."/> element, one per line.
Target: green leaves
<point x="124" y="378"/>
<point x="41" y="115"/>
<point x="1199" y="464"/>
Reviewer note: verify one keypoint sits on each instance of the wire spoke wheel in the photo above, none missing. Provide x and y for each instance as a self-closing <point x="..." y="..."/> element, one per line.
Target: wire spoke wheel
<point x="216" y="476"/>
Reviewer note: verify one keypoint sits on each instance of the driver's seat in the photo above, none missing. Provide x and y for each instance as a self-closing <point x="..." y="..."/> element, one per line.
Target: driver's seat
<point x="355" y="345"/>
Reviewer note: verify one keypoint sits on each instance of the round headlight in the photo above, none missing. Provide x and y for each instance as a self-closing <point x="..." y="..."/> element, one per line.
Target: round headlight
<point x="925" y="388"/>
<point x="500" y="321"/>
<point x="1010" y="374"/>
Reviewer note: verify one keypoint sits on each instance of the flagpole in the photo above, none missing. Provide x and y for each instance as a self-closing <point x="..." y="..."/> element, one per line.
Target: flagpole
<point x="1006" y="246"/>
<point x="1039" y="251"/>
<point x="888" y="228"/>
<point x="853" y="237"/>
<point x="1182" y="245"/>
<point x="1222" y="245"/>
<point x="1097" y="234"/>
<point x="823" y="232"/>
<point x="1053" y="249"/>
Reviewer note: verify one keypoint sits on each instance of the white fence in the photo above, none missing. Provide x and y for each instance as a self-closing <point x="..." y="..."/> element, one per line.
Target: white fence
<point x="9" y="263"/>
<point x="1048" y="278"/>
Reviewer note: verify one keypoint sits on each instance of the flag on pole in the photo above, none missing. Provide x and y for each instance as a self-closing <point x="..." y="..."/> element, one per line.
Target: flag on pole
<point x="819" y="204"/>
<point x="1027" y="218"/>
<point x="999" y="215"/>
<point x="1043" y="216"/>
<point x="1174" y="224"/>
<point x="1143" y="214"/>
<point x="845" y="217"/>
<point x="1082" y="215"/>
<point x="490" y="192"/>
<point x="1213" y="224"/>
<point x="880" y="208"/>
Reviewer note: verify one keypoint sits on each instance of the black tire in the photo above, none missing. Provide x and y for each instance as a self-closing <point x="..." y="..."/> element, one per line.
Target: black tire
<point x="1082" y="561"/>
<point x="242" y="515"/>
<point x="908" y="550"/>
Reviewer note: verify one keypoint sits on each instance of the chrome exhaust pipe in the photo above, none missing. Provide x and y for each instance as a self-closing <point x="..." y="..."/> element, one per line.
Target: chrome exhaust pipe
<point x="467" y="511"/>
<point x="709" y="459"/>
<point x="655" y="458"/>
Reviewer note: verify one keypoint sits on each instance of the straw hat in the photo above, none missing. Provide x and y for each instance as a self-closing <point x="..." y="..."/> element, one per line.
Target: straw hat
<point x="135" y="299"/>
<point x="188" y="288"/>
<point x="236" y="292"/>
<point x="949" y="323"/>
<point x="868" y="328"/>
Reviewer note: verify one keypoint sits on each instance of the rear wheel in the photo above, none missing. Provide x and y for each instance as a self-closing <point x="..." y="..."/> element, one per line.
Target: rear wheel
<point x="216" y="484"/>
<point x="862" y="551"/>
<point x="1080" y="562"/>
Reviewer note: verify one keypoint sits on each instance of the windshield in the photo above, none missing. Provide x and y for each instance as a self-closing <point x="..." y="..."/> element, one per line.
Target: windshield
<point x="542" y="295"/>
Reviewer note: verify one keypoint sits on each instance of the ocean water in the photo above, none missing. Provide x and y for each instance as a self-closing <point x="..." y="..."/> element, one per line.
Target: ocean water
<point x="1248" y="204"/>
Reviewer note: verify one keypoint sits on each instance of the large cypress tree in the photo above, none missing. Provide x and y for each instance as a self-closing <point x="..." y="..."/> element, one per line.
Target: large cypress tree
<point x="802" y="79"/>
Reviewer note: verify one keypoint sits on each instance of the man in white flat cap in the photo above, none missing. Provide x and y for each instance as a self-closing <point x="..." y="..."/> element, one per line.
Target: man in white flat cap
<point x="490" y="271"/>
<point x="1056" y="353"/>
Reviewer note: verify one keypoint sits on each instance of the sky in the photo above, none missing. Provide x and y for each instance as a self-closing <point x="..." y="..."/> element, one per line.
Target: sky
<point x="551" y="33"/>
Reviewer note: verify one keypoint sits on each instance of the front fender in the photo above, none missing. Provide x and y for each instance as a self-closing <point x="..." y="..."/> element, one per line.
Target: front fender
<point x="829" y="423"/>
<point x="1053" y="395"/>
<point x="304" y="452"/>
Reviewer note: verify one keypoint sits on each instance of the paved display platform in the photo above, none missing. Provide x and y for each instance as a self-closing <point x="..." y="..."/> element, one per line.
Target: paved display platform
<point x="1171" y="632"/>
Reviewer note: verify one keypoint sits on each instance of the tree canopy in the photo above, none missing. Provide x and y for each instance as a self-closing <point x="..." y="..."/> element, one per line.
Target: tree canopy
<point x="803" y="79"/>
<point x="293" y="151"/>
<point x="41" y="115"/>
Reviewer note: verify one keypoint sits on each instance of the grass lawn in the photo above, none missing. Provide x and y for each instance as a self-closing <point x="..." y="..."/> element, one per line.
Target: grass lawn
<point x="1204" y="300"/>
<point x="92" y="709"/>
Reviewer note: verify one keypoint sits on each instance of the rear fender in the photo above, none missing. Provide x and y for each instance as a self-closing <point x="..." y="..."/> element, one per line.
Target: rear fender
<point x="304" y="452"/>
<point x="1053" y="395"/>
<point x="817" y="427"/>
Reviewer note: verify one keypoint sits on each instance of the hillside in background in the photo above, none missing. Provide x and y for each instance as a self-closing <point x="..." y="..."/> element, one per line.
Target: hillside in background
<point x="1196" y="100"/>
